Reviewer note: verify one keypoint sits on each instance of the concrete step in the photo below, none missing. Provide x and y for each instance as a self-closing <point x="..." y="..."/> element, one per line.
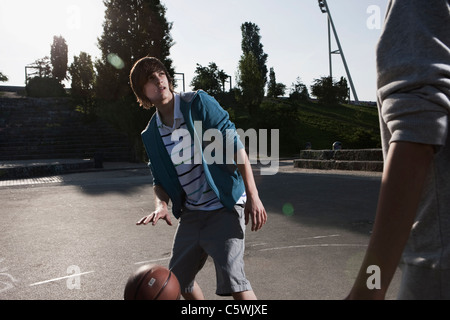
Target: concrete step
<point x="345" y="154"/>
<point x="353" y="160"/>
<point x="110" y="154"/>
<point x="376" y="166"/>
<point x="39" y="168"/>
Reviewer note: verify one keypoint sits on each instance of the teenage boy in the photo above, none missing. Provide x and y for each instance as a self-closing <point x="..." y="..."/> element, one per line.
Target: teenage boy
<point x="212" y="200"/>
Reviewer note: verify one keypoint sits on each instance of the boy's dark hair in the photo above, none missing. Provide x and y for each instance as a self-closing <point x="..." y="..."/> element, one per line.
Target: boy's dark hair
<point x="139" y="75"/>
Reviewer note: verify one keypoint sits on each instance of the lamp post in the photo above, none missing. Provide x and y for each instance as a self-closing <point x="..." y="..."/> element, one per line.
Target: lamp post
<point x="325" y="9"/>
<point x="182" y="74"/>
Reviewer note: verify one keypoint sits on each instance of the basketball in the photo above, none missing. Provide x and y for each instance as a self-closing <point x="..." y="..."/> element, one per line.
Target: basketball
<point x="152" y="282"/>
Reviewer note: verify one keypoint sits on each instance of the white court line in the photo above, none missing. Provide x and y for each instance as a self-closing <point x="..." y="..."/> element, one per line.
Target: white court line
<point x="316" y="245"/>
<point x="320" y="237"/>
<point x="155" y="260"/>
<point x="61" y="278"/>
<point x="257" y="244"/>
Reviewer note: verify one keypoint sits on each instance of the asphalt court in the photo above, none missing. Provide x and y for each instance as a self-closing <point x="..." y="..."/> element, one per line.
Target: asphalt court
<point x="73" y="237"/>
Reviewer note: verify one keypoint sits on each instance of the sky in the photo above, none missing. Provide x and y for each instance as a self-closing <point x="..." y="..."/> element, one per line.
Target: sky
<point x="293" y="32"/>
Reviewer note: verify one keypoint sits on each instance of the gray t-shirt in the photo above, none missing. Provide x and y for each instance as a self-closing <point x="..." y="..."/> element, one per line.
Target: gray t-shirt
<point x="413" y="65"/>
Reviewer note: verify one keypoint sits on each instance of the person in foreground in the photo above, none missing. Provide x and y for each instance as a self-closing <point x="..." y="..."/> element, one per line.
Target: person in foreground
<point x="213" y="200"/>
<point x="412" y="223"/>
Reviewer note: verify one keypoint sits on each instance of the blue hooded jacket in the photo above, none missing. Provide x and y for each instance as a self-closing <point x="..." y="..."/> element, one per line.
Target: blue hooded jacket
<point x="224" y="179"/>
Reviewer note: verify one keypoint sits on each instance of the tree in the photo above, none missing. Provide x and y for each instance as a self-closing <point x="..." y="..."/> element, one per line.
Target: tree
<point x="43" y="67"/>
<point x="82" y="73"/>
<point x="210" y="78"/>
<point x="299" y="91"/>
<point x="251" y="42"/>
<point x="223" y="77"/>
<point x="3" y="78"/>
<point x="343" y="92"/>
<point x="43" y="87"/>
<point x="329" y="91"/>
<point x="251" y="78"/>
<point x="131" y="30"/>
<point x="275" y="89"/>
<point x="83" y="77"/>
<point x="250" y="82"/>
<point x="40" y="83"/>
<point x="58" y="58"/>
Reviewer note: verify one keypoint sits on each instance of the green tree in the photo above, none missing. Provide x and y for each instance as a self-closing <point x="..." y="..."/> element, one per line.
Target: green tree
<point x="299" y="91"/>
<point x="43" y="87"/>
<point x="131" y="30"/>
<point x="328" y="91"/>
<point x="223" y="77"/>
<point x="343" y="91"/>
<point x="58" y="58"/>
<point x="210" y="78"/>
<point x="275" y="89"/>
<point x="3" y="78"/>
<point x="83" y="77"/>
<point x="252" y="73"/>
<point x="250" y="83"/>
<point x="43" y="68"/>
<point x="82" y="73"/>
<point x="251" y="42"/>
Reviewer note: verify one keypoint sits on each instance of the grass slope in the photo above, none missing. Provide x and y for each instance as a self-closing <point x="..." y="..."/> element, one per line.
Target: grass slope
<point x="357" y="127"/>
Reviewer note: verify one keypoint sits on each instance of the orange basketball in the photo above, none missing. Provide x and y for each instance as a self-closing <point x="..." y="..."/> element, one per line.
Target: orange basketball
<point x="152" y="282"/>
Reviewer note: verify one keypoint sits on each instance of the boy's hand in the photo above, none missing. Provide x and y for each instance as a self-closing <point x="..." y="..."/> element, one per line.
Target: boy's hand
<point x="155" y="216"/>
<point x="255" y="209"/>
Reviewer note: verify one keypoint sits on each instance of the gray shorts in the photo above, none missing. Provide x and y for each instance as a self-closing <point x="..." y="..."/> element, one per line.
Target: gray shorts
<point x="421" y="283"/>
<point x="219" y="234"/>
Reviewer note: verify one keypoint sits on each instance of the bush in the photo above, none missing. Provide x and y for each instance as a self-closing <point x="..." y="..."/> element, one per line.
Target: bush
<point x="330" y="92"/>
<point x="279" y="114"/>
<point x="44" y="88"/>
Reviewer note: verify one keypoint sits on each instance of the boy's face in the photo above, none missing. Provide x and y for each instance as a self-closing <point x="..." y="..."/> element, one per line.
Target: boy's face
<point x="157" y="88"/>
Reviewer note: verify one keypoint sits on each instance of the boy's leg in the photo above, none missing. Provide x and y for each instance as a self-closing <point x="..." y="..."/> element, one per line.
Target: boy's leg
<point x="187" y="256"/>
<point x="223" y="238"/>
<point x="244" y="295"/>
<point x="196" y="294"/>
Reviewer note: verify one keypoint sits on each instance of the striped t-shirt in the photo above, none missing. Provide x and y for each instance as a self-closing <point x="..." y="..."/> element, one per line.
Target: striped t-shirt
<point x="199" y="195"/>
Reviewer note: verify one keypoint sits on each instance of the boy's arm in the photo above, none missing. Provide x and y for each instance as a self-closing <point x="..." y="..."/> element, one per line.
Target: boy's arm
<point x="253" y="207"/>
<point x="161" y="208"/>
<point x="407" y="166"/>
